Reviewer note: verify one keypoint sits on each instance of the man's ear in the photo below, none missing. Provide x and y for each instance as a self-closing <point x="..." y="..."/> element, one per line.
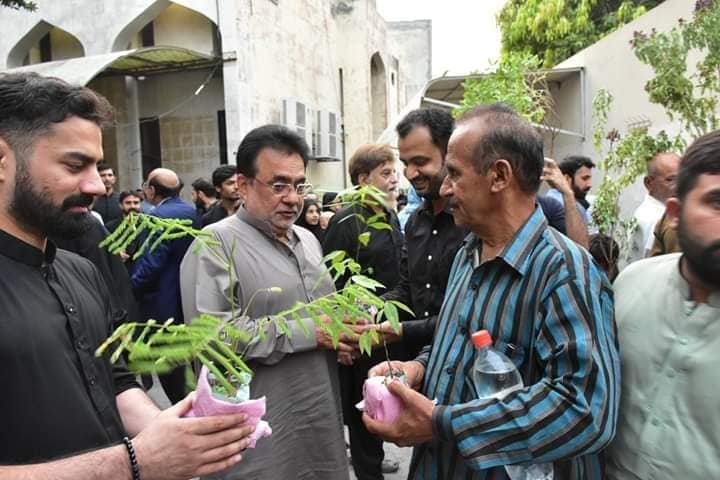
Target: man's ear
<point x="647" y="181"/>
<point x="501" y="175"/>
<point x="672" y="210"/>
<point x="363" y="179"/>
<point x="243" y="184"/>
<point x="7" y="159"/>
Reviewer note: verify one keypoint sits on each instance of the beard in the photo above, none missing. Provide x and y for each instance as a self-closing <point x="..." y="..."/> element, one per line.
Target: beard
<point x="702" y="259"/>
<point x="434" y="183"/>
<point x="36" y="211"/>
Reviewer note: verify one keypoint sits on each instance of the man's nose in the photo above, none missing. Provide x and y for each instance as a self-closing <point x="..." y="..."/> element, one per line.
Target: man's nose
<point x="92" y="184"/>
<point x="446" y="188"/>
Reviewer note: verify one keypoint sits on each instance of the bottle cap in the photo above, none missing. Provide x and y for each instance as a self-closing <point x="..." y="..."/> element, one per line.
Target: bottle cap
<point x="481" y="338"/>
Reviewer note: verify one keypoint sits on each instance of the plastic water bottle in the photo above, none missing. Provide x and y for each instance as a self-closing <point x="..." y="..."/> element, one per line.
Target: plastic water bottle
<point x="495" y="376"/>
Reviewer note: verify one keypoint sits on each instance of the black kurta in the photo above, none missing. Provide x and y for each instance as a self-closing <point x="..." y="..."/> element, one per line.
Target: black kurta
<point x="56" y="397"/>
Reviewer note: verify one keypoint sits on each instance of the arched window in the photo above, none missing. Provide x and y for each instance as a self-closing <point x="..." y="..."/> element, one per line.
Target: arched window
<point x="378" y="92"/>
<point x="170" y="24"/>
<point x="44" y="43"/>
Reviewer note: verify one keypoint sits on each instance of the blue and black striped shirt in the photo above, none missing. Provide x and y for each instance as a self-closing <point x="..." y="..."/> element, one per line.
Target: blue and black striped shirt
<point x="550" y="309"/>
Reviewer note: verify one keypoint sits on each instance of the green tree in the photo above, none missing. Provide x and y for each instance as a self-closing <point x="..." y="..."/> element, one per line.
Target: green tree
<point x="515" y="81"/>
<point x="554" y="30"/>
<point x="19" y="4"/>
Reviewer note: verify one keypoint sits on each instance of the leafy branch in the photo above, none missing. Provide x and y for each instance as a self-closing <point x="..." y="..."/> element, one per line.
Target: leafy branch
<point x="221" y="345"/>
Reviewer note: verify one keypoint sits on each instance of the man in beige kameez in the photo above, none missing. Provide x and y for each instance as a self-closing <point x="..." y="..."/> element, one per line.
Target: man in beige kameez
<point x="298" y="373"/>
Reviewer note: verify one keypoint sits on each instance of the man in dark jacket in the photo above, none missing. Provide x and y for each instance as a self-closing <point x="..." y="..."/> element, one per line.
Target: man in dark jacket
<point x="156" y="276"/>
<point x="379" y="258"/>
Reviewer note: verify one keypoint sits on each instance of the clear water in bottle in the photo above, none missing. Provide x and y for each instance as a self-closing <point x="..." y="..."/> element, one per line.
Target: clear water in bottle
<point x="494" y="376"/>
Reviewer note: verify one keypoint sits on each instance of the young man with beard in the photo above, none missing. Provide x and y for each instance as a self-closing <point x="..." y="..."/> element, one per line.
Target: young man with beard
<point x="578" y="173"/>
<point x="431" y="236"/>
<point x="65" y="413"/>
<point x="224" y="179"/>
<point x="203" y="195"/>
<point x="668" y="315"/>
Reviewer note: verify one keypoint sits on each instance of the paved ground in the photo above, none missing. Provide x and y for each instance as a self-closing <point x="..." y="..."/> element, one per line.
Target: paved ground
<point x="391" y="451"/>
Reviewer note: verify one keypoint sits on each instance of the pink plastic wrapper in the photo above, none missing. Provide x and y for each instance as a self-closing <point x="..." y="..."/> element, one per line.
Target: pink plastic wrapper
<point x="378" y="402"/>
<point x="205" y="405"/>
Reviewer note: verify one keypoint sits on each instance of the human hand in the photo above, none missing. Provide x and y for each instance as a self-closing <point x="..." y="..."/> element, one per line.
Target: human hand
<point x="414" y="426"/>
<point x="384" y="330"/>
<point x="347" y="342"/>
<point x="171" y="447"/>
<point x="124" y="256"/>
<point x="414" y="371"/>
<point x="345" y="358"/>
<point x="554" y="177"/>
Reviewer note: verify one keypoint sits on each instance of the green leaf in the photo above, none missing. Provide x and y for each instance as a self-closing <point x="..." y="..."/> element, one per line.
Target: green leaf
<point x="391" y="313"/>
<point x="364" y="238"/>
<point x="366" y="282"/>
<point x="402" y="306"/>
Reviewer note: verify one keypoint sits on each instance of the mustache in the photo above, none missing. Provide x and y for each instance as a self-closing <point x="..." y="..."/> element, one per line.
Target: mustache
<point x="79" y="200"/>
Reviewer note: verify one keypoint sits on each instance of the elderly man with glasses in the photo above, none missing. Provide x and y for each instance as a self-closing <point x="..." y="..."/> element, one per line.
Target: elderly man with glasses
<point x="297" y="373"/>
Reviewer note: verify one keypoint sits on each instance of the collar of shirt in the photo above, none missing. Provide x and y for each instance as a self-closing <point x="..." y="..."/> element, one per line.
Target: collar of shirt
<point x="265" y="227"/>
<point x="684" y="288"/>
<point x="654" y="204"/>
<point x="426" y="208"/>
<point x="516" y="252"/>
<point x="22" y="252"/>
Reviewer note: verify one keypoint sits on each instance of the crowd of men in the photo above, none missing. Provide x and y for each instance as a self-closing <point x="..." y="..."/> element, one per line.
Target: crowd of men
<point x="617" y="375"/>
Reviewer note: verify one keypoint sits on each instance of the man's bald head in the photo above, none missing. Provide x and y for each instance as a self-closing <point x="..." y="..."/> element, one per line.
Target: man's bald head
<point x="162" y="183"/>
<point x="660" y="179"/>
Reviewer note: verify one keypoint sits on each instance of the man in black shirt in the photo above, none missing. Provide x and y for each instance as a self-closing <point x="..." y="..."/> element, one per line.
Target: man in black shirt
<point x="107" y="204"/>
<point x="58" y="398"/>
<point x="431" y="236"/>
<point x="203" y="195"/>
<point x="379" y="258"/>
<point x="224" y="179"/>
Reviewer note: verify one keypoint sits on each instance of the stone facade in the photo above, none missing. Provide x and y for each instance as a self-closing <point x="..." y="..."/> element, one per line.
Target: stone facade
<point x="336" y="60"/>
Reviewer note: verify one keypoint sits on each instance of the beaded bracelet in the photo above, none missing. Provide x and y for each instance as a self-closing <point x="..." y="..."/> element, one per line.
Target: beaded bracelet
<point x="133" y="458"/>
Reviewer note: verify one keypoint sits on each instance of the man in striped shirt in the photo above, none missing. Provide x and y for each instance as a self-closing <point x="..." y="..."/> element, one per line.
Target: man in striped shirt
<point x="546" y="304"/>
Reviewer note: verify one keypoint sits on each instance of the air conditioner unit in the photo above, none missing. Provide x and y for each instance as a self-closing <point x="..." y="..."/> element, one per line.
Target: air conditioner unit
<point x="329" y="136"/>
<point x="297" y="116"/>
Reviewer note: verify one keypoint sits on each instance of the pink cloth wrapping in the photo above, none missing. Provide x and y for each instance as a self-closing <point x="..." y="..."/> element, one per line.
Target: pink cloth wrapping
<point x="379" y="403"/>
<point x="205" y="405"/>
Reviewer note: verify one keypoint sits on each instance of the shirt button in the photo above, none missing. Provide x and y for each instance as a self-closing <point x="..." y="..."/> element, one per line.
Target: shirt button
<point x="429" y="257"/>
<point x="450" y="370"/>
<point x="671" y="374"/>
<point x="434" y="232"/>
<point x="427" y="285"/>
<point x="655" y="422"/>
<point x="70" y="308"/>
<point x="426" y="314"/>
<point x="91" y="381"/>
<point x="683" y="341"/>
<point x="81" y="345"/>
<point x="463" y="330"/>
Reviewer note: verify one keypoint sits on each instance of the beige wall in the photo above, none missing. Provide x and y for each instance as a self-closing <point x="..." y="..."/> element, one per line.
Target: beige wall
<point x="612" y="65"/>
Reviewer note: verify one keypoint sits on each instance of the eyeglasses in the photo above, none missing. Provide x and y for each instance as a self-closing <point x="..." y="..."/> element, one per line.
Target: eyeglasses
<point x="283" y="189"/>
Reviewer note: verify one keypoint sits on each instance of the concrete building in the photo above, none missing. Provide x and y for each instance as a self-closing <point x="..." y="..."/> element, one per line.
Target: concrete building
<point x="190" y="77"/>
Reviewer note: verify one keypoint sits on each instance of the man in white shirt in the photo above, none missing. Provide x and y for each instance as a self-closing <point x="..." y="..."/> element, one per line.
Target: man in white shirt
<point x="660" y="185"/>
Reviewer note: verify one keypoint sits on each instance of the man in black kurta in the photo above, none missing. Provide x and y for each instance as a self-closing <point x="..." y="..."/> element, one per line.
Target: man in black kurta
<point x="371" y="165"/>
<point x="65" y="413"/>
